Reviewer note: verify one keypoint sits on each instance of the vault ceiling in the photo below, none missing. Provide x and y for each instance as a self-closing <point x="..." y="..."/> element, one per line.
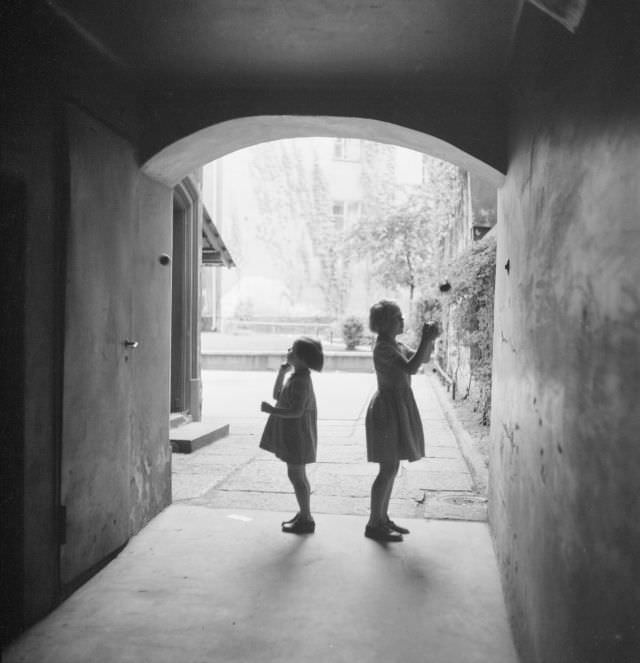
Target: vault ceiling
<point x="257" y="43"/>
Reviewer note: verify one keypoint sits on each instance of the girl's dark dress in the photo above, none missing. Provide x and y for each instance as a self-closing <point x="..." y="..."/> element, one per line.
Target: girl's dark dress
<point x="294" y="440"/>
<point x="393" y="425"/>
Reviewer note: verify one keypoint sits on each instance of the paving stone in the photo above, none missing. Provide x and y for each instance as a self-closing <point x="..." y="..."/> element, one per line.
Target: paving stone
<point x="232" y="445"/>
<point x="236" y="473"/>
<point x="225" y="464"/>
<point x="267" y="476"/>
<point x="435" y="425"/>
<point x="442" y="452"/>
<point x="348" y="485"/>
<point x="441" y="439"/>
<point x="237" y="499"/>
<point x="189" y="486"/>
<point x="349" y="453"/>
<point x="440" y="481"/>
<point x="439" y="464"/>
<point x="334" y="471"/>
<point x="354" y="506"/>
<point x="404" y="508"/>
<point x="340" y="428"/>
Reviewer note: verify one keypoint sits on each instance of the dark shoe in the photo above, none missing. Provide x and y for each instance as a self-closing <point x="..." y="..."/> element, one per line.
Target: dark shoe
<point x="291" y="520"/>
<point x="397" y="528"/>
<point x="299" y="526"/>
<point x="381" y="533"/>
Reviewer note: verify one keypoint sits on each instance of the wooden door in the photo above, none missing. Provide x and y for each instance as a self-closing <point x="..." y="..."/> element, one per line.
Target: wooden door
<point x="96" y="432"/>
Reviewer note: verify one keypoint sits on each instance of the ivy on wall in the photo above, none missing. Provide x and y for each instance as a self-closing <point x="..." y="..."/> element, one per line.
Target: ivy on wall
<point x="472" y="278"/>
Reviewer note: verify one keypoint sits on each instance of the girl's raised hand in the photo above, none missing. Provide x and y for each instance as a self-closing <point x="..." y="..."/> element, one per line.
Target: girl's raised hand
<point x="430" y="331"/>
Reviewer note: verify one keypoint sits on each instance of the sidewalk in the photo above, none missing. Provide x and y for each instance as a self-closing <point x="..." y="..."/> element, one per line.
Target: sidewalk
<point x="235" y="473"/>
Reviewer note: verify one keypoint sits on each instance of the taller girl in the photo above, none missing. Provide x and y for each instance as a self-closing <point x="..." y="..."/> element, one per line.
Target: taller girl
<point x="393" y="426"/>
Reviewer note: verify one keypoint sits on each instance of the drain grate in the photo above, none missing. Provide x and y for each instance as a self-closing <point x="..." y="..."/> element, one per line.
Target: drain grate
<point x="455" y="506"/>
<point x="460" y="500"/>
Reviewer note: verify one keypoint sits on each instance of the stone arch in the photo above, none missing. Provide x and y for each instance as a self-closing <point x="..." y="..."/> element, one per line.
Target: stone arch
<point x="183" y="156"/>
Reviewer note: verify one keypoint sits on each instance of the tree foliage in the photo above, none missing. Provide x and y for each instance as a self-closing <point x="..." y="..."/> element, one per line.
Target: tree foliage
<point x="403" y="229"/>
<point x="328" y="246"/>
<point x="398" y="243"/>
<point x="281" y="190"/>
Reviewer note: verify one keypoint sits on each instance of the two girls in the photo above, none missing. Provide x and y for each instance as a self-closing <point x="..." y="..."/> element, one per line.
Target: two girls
<point x="393" y="426"/>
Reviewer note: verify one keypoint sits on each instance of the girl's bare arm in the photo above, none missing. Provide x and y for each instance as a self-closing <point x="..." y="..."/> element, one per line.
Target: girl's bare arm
<point x="425" y="348"/>
<point x="296" y="403"/>
<point x="277" y="386"/>
<point x="285" y="412"/>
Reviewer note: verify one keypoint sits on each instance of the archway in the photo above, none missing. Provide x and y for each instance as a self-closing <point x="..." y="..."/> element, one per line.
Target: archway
<point x="181" y="157"/>
<point x="178" y="159"/>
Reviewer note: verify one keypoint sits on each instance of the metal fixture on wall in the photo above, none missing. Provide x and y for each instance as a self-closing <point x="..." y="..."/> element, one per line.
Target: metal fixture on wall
<point x="567" y="12"/>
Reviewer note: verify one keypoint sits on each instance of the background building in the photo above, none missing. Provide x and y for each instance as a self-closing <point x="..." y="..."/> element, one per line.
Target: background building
<point x="289" y="208"/>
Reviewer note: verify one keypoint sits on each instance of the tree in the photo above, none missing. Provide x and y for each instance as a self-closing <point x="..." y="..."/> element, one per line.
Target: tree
<point x="403" y="232"/>
<point x="328" y="246"/>
<point x="281" y="191"/>
<point x="399" y="242"/>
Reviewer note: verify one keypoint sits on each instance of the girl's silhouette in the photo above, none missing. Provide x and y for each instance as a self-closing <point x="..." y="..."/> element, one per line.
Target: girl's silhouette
<point x="393" y="426"/>
<point x="291" y="430"/>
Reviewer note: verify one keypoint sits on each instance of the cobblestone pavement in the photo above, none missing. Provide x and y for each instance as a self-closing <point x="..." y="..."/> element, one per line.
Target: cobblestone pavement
<point x="235" y="473"/>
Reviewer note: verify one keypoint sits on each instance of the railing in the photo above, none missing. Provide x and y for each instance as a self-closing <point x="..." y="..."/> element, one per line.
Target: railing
<point x="447" y="379"/>
<point x="322" y="329"/>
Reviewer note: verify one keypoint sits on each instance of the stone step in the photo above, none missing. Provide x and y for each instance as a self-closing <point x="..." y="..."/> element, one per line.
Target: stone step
<point x="195" y="435"/>
<point x="177" y="419"/>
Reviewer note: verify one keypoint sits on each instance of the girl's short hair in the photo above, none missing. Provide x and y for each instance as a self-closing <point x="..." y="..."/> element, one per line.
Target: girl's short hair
<point x="310" y="351"/>
<point x="380" y="315"/>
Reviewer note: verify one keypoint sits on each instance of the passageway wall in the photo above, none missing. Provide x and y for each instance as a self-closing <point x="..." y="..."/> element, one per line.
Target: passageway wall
<point x="45" y="76"/>
<point x="565" y="464"/>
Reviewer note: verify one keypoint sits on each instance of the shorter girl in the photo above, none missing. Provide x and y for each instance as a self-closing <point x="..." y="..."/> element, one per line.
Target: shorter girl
<point x="291" y="430"/>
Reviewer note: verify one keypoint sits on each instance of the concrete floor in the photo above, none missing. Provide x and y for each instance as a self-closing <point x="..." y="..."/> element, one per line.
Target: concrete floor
<point x="212" y="578"/>
<point x="204" y="584"/>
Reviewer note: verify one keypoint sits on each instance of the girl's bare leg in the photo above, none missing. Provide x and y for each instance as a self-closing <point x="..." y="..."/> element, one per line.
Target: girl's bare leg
<point x="381" y="493"/>
<point x="298" y="477"/>
<point x="387" y="496"/>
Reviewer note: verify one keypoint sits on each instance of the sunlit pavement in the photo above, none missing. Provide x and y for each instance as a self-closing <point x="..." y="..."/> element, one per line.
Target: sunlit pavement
<point x="235" y="473"/>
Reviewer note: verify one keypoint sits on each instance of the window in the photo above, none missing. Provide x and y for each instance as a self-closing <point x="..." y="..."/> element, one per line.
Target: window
<point x="346" y="149"/>
<point x="345" y="213"/>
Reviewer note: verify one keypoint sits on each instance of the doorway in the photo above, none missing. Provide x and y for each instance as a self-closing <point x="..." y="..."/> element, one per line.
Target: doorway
<point x="185" y="287"/>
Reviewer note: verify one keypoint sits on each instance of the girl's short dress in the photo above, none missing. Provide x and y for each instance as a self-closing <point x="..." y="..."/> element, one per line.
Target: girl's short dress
<point x="393" y="425"/>
<point x="294" y="440"/>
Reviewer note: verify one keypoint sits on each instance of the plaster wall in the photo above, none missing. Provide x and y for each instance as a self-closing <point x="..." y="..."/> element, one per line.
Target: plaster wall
<point x="150" y="456"/>
<point x="565" y="461"/>
<point x="40" y="83"/>
<point x="29" y="129"/>
<point x="115" y="441"/>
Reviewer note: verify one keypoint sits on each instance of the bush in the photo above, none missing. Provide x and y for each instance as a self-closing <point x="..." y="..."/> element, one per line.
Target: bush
<point x="352" y="332"/>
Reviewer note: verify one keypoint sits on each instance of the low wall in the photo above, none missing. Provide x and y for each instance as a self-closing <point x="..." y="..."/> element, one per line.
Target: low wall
<point x="351" y="362"/>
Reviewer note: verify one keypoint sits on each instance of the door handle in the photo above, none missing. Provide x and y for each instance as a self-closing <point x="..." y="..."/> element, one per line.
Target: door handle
<point x="130" y="344"/>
